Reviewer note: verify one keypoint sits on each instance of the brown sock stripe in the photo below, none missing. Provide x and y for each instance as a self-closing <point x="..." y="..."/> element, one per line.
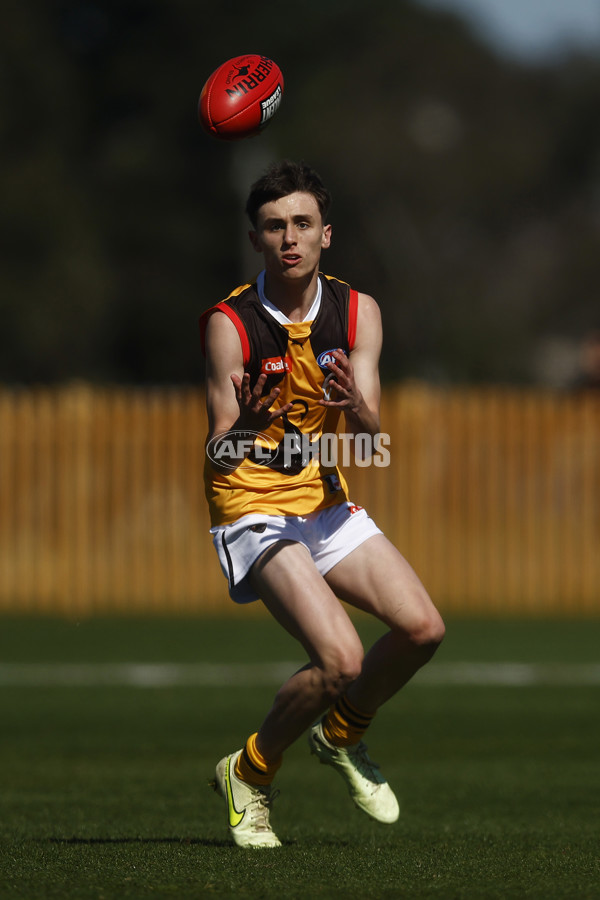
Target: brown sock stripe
<point x="352" y="715"/>
<point x="252" y="765"/>
<point x="354" y="709"/>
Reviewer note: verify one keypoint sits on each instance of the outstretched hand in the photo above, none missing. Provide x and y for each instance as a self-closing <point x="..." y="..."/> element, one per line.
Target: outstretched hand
<point x="346" y="395"/>
<point x="255" y="411"/>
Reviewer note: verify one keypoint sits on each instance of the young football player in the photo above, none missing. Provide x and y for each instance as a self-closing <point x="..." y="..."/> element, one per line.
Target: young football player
<point x="287" y="355"/>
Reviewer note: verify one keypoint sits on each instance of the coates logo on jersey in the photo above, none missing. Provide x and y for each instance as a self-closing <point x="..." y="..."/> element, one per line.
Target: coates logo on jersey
<point x="276" y="365"/>
<point x="327" y="357"/>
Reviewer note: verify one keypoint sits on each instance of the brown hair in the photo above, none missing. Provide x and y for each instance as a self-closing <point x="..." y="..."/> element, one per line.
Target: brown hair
<point x="284" y="178"/>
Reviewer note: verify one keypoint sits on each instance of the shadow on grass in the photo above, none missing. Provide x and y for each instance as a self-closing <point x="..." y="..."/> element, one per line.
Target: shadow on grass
<point x="205" y="842"/>
<point x="201" y="842"/>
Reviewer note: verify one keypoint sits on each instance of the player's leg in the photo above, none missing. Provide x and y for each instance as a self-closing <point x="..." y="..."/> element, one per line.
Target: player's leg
<point x="298" y="597"/>
<point x="376" y="578"/>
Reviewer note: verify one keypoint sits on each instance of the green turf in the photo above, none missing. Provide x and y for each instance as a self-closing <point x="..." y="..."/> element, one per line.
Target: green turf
<point x="103" y="790"/>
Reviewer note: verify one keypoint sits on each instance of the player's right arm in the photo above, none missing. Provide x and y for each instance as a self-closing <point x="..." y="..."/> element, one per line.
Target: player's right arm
<point x="233" y="406"/>
<point x="224" y="358"/>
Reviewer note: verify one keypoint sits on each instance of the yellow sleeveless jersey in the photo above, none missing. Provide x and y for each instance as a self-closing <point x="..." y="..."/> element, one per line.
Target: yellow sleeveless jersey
<point x="284" y="473"/>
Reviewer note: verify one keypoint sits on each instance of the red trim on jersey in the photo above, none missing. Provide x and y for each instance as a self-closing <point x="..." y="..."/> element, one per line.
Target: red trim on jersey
<point x="231" y="314"/>
<point x="352" y="316"/>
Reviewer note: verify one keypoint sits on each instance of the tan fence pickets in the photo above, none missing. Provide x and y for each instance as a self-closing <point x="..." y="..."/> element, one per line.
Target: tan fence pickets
<point x="492" y="494"/>
<point x="101" y="502"/>
<point x="494" y="497"/>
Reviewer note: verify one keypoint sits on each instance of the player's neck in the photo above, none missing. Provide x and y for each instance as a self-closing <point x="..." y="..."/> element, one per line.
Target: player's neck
<point x="293" y="298"/>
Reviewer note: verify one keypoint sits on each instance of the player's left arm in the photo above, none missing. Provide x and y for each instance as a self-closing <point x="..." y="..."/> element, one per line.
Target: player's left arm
<point x="355" y="380"/>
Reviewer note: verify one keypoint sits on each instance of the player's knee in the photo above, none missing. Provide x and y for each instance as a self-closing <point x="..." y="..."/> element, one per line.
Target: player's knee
<point x="427" y="630"/>
<point x="340" y="671"/>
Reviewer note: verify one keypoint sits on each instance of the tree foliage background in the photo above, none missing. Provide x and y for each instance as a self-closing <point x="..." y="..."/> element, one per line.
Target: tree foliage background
<point x="466" y="187"/>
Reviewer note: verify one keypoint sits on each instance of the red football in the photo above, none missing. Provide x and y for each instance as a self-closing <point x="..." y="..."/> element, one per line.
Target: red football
<point x="240" y="97"/>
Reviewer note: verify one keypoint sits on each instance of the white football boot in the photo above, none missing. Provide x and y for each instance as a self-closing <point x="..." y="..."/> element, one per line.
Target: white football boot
<point x="248" y="806"/>
<point x="367" y="786"/>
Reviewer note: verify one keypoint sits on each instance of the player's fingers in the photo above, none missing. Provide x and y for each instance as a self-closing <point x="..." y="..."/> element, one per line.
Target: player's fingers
<point x="268" y="401"/>
<point x="342" y="361"/>
<point x="339" y="404"/>
<point x="339" y="373"/>
<point x="277" y="413"/>
<point x="258" y="389"/>
<point x="247" y="394"/>
<point x="342" y="389"/>
<point x="237" y="385"/>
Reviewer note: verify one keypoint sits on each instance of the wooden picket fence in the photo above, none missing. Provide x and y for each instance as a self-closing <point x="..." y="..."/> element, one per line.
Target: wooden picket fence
<point x="492" y="494"/>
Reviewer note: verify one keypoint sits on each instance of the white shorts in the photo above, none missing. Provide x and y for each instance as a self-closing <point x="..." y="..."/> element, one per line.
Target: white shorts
<point x="329" y="535"/>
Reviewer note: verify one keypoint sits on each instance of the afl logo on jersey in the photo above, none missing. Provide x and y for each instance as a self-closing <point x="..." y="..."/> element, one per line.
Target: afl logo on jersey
<point x="327" y="357"/>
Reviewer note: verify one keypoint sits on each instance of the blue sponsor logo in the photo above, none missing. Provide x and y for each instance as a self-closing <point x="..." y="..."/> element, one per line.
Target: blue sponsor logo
<point x="326" y="357"/>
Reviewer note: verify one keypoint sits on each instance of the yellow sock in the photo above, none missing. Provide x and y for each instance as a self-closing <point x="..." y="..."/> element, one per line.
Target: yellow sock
<point x="252" y="767"/>
<point x="344" y="724"/>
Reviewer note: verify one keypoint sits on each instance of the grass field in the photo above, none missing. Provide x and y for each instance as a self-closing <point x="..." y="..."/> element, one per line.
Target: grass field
<point x="110" y="730"/>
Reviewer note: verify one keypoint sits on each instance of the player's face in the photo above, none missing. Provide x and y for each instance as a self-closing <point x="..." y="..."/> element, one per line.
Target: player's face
<point x="290" y="234"/>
